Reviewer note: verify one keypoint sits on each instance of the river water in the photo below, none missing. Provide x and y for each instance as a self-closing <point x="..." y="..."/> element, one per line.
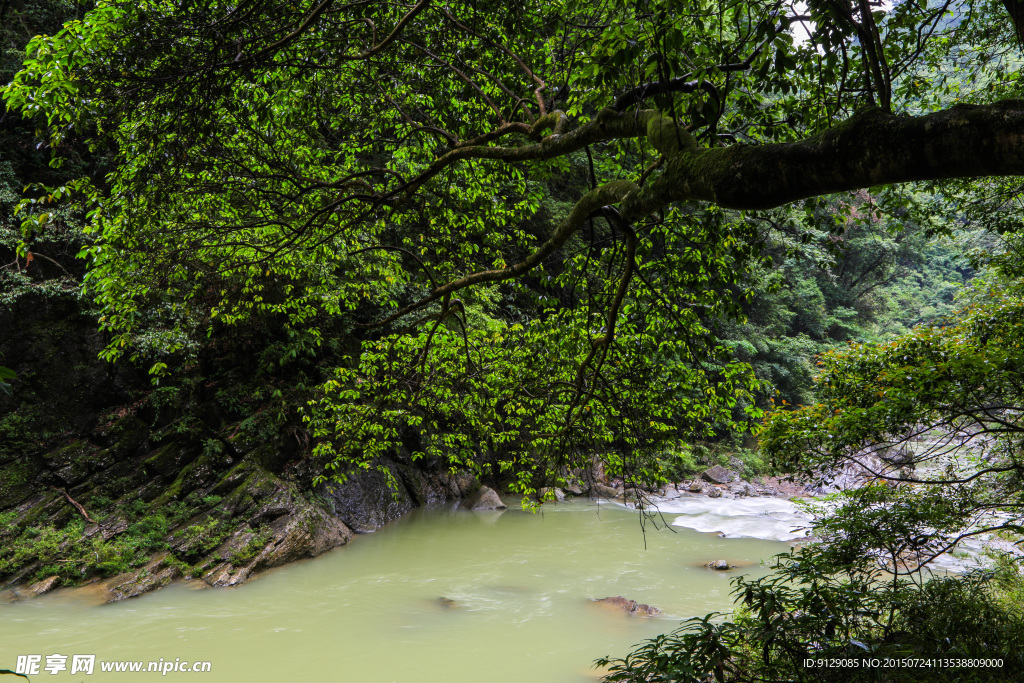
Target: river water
<point x="439" y="596"/>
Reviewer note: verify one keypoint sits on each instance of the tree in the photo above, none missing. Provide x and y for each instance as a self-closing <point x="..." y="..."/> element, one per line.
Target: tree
<point x="859" y="593"/>
<point x="531" y="217"/>
<point x="388" y="166"/>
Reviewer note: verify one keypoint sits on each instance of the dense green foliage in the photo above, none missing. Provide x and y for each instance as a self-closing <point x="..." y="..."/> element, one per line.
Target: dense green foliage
<point x="791" y="624"/>
<point x="268" y="176"/>
<point x="518" y="238"/>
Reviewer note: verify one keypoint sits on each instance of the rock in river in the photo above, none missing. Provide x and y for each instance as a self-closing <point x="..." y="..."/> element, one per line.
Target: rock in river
<point x="718" y="475"/>
<point x="629" y="606"/>
<point x="485" y="499"/>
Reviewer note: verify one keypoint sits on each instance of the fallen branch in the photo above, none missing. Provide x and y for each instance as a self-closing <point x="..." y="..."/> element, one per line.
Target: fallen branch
<point x="76" y="504"/>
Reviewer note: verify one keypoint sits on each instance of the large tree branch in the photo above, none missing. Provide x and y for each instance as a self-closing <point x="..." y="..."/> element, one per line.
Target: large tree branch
<point x="871" y="148"/>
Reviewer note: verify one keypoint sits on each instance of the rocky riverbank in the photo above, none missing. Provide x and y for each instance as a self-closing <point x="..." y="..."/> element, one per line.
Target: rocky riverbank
<point x="127" y="510"/>
<point x="111" y="481"/>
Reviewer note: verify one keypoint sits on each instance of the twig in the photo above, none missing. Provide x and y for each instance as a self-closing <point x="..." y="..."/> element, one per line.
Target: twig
<point x="76" y="504"/>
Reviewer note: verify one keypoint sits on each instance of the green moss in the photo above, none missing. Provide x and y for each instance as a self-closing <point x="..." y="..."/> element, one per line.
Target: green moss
<point x="165" y="460"/>
<point x="67" y="552"/>
<point x="127" y="434"/>
<point x="67" y="454"/>
<point x="15" y="483"/>
<point x="16" y="435"/>
<point x="201" y="538"/>
<point x="184" y="568"/>
<point x="252" y="547"/>
<point x="179" y="486"/>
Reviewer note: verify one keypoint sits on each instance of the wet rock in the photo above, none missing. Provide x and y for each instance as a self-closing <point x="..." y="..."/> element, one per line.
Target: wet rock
<point x="743" y="488"/>
<point x="714" y="493"/>
<point x="485" y="499"/>
<point x="168" y="460"/>
<point x="365" y="502"/>
<point x="556" y="492"/>
<point x="718" y="475"/>
<point x="150" y="577"/>
<point x="669" y="493"/>
<point x="574" y="489"/>
<point x="45" y="586"/>
<point x="306" y="531"/>
<point x="695" y="486"/>
<point x="631" y="607"/>
<point x="900" y="455"/>
<point x="446" y="603"/>
<point x="720" y="565"/>
<point x="605" y="491"/>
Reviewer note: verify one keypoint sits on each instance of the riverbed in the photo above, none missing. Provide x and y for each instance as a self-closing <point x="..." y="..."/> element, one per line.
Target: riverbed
<point x="440" y="596"/>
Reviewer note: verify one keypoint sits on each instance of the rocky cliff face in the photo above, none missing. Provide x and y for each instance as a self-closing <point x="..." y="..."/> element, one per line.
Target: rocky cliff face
<point x="106" y="479"/>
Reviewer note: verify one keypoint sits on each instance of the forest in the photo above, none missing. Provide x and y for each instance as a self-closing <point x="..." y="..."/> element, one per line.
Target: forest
<point x="392" y="247"/>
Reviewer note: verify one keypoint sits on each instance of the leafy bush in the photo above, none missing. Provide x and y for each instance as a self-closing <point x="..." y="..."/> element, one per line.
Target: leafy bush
<point x="809" y="610"/>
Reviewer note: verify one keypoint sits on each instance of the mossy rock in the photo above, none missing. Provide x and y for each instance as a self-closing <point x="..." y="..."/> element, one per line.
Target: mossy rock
<point x="167" y="460"/>
<point x="173" y="492"/>
<point x="68" y="454"/>
<point x="254" y="489"/>
<point x="73" y="462"/>
<point x="16" y="483"/>
<point x="126" y="435"/>
<point x="16" y="435"/>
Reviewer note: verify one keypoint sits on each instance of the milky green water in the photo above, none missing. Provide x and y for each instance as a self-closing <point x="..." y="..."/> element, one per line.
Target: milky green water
<point x="521" y="586"/>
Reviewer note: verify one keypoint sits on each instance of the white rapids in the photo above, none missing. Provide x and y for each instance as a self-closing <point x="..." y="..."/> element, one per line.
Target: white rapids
<point x="771" y="519"/>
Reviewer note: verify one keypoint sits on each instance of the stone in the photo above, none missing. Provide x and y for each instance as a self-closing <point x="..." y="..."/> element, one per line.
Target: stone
<point x="631" y="607"/>
<point x="605" y="491"/>
<point x="696" y="487"/>
<point x="485" y="499"/>
<point x="714" y="493"/>
<point x="45" y="586"/>
<point x="899" y="455"/>
<point x="736" y="464"/>
<point x="669" y="493"/>
<point x="743" y="488"/>
<point x="365" y="501"/>
<point x="558" y="493"/>
<point x="574" y="489"/>
<point x="720" y="565"/>
<point x="718" y="475"/>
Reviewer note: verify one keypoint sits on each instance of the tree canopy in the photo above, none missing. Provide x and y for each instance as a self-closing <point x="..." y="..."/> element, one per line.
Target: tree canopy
<point x="535" y="232"/>
<point x="529" y="215"/>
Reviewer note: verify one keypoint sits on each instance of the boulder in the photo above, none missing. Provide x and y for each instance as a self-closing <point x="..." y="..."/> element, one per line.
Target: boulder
<point x="632" y="494"/>
<point x="629" y="606"/>
<point x="900" y="455"/>
<point x="485" y="499"/>
<point x="669" y="492"/>
<point x="743" y="488"/>
<point x="720" y="565"/>
<point x="695" y="486"/>
<point x="714" y="493"/>
<point x="603" y="491"/>
<point x="558" y="493"/>
<point x="718" y="475"/>
<point x="45" y="586"/>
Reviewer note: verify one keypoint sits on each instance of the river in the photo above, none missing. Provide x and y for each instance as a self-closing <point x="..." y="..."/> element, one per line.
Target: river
<point x="439" y="596"/>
